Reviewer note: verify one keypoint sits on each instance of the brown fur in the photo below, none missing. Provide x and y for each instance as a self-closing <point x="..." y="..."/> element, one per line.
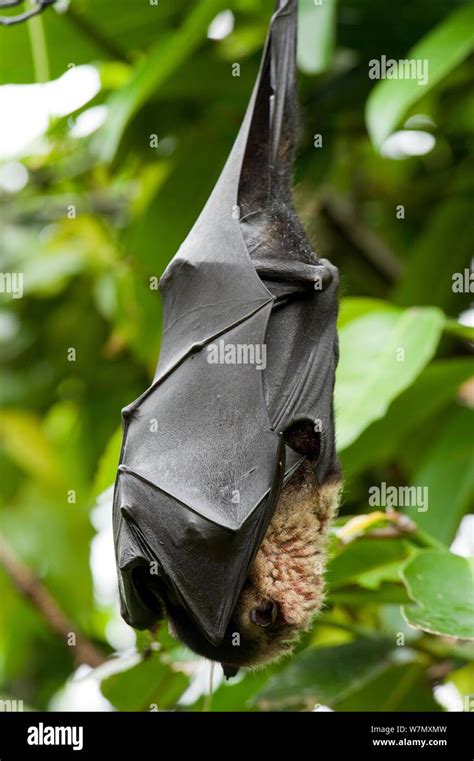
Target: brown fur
<point x="289" y="566"/>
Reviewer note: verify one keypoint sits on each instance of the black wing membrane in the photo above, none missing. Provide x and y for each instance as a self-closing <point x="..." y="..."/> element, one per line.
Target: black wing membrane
<point x="301" y="336"/>
<point x="203" y="460"/>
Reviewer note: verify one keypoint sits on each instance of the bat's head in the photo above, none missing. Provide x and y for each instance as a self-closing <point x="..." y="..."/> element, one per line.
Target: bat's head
<point x="284" y="587"/>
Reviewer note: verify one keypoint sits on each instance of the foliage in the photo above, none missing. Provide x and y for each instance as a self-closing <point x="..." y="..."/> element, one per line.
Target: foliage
<point x="403" y="416"/>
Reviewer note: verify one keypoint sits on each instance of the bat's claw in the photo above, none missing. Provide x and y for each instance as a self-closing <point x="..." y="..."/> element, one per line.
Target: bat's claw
<point x="318" y="276"/>
<point x="322" y="277"/>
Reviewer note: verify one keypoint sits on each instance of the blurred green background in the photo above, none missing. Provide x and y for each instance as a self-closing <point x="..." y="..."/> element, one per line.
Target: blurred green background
<point x="102" y="173"/>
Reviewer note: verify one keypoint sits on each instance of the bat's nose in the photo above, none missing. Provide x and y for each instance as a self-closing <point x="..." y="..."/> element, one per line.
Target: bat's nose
<point x="229" y="671"/>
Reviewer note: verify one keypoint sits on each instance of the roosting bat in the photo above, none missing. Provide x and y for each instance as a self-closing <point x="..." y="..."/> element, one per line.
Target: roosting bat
<point x="228" y="475"/>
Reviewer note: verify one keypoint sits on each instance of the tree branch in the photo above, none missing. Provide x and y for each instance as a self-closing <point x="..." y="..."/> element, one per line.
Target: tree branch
<point x="344" y="218"/>
<point x="90" y="30"/>
<point x="41" y="6"/>
<point x="30" y="586"/>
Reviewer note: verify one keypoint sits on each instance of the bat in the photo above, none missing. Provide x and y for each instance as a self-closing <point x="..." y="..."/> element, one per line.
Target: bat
<point x="228" y="476"/>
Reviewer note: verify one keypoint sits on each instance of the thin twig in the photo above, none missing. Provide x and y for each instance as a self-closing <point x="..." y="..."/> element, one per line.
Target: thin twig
<point x="39" y="50"/>
<point x="10" y="20"/>
<point x="30" y="586"/>
<point x="91" y="31"/>
<point x="206" y="707"/>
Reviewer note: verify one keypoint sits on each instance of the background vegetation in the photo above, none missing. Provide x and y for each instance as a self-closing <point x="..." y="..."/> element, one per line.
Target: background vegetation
<point x="96" y="215"/>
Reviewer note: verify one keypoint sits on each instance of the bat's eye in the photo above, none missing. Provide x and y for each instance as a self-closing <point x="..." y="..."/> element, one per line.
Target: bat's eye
<point x="265" y="615"/>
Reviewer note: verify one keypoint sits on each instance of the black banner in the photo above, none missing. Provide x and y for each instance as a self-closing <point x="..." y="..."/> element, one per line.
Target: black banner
<point x="118" y="735"/>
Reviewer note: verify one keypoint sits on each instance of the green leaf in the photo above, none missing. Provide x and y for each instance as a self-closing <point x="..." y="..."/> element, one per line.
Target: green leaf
<point x="351" y="308"/>
<point x="24" y="441"/>
<point x="52" y="537"/>
<point x="160" y="230"/>
<point x="235" y="695"/>
<point x="433" y="389"/>
<point x="89" y="31"/>
<point x="326" y="674"/>
<point x="400" y="687"/>
<point x="363" y="556"/>
<point x="455" y="328"/>
<point x="442" y="585"/>
<point x="46" y="276"/>
<point x="139" y="315"/>
<point x="162" y="60"/>
<point x="393" y="624"/>
<point x="429" y="273"/>
<point x="448" y="474"/>
<point x="387" y="594"/>
<point x="444" y="48"/>
<point x="148" y="683"/>
<point x="382" y="352"/>
<point x="463" y="679"/>
<point x="108" y="463"/>
<point x="68" y="44"/>
<point x="316" y="35"/>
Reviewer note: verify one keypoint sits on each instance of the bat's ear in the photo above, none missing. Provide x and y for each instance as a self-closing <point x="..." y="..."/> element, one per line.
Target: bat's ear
<point x="268" y="156"/>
